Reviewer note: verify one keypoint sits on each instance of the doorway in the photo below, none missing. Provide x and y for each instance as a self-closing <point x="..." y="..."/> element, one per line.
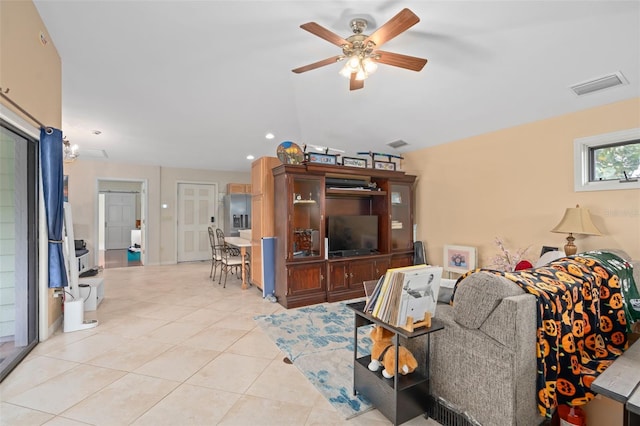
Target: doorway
<point x="197" y="207"/>
<point x="121" y="222"/>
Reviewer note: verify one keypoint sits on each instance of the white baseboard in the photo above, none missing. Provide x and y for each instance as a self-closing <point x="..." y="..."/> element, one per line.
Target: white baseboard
<point x="52" y="329"/>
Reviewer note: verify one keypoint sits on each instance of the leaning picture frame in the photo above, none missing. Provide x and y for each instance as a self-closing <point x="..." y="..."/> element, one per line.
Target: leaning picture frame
<point x="65" y="188"/>
<point x="459" y="259"/>
<point x="313" y="157"/>
<point x="546" y="249"/>
<point x="354" y="162"/>
<point x="384" y="165"/>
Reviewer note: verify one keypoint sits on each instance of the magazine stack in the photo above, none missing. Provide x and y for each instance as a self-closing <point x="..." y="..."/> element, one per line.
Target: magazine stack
<point x="406" y="294"/>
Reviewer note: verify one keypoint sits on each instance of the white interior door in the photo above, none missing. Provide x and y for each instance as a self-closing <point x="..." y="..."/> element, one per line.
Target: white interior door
<point x="197" y="206"/>
<point x="120" y="219"/>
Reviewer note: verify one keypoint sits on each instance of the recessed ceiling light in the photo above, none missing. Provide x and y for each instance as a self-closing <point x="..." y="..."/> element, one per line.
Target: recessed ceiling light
<point x="269" y="136"/>
<point x="96" y="132"/>
<point x="250" y="157"/>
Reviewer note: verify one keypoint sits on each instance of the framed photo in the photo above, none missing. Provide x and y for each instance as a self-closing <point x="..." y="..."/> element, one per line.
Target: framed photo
<point x="384" y="165"/>
<point x="321" y="158"/>
<point x="459" y="259"/>
<point x="65" y="188"/>
<point x="396" y="198"/>
<point x="546" y="249"/>
<point x="354" y="162"/>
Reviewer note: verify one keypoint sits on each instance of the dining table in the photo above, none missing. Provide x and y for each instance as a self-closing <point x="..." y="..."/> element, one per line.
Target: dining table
<point x="242" y="244"/>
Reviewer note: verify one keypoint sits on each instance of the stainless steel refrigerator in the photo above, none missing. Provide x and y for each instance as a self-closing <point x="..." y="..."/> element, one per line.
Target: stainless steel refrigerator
<point x="237" y="213"/>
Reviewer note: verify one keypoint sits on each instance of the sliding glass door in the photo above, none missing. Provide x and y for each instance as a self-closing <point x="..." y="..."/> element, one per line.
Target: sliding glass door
<point x="18" y="246"/>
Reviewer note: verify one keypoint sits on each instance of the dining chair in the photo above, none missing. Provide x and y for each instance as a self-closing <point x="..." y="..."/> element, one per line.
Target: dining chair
<point x="229" y="262"/>
<point x="216" y="257"/>
<point x="221" y="242"/>
<point x="230" y="259"/>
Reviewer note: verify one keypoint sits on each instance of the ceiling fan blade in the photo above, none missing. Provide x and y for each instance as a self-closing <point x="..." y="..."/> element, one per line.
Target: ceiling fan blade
<point x="402" y="61"/>
<point x="404" y="20"/>
<point x="355" y="84"/>
<point x="322" y="63"/>
<point x="324" y="33"/>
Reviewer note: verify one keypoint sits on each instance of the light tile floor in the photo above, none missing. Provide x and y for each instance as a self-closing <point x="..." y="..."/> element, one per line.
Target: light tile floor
<point x="171" y="348"/>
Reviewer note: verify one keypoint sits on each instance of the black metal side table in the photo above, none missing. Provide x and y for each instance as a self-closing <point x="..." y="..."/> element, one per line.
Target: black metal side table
<point x="404" y="397"/>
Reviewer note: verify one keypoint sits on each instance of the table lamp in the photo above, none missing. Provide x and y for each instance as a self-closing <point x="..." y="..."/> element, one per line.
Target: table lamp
<point x="575" y="221"/>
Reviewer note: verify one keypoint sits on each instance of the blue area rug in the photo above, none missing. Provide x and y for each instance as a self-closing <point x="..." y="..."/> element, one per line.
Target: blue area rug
<point x="319" y="341"/>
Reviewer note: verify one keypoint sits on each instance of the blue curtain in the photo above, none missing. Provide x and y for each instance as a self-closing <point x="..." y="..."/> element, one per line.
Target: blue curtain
<point x="51" y="167"/>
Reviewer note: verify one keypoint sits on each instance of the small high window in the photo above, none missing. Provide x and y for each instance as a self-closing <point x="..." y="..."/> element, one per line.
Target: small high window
<point x="615" y="162"/>
<point x="609" y="161"/>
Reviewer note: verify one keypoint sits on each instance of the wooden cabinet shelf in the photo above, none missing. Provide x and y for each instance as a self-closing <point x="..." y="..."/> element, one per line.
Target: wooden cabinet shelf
<point x="346" y="274"/>
<point x="304" y="198"/>
<point x="354" y="192"/>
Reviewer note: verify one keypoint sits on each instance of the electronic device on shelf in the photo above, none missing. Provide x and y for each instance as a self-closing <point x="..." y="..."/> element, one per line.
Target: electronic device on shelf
<point x="345" y="183"/>
<point x="355" y="235"/>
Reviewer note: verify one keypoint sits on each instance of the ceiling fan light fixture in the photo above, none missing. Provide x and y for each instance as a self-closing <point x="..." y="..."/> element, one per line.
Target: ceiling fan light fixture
<point x="345" y="71"/>
<point x="370" y="66"/>
<point x="358" y="50"/>
<point x="354" y="63"/>
<point x="69" y="152"/>
<point x="361" y="67"/>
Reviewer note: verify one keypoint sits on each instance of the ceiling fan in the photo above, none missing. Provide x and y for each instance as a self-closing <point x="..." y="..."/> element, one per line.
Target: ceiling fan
<point x="359" y="50"/>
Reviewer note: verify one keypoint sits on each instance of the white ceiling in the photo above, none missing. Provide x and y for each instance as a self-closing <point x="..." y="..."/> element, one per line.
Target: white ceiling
<point x="198" y="84"/>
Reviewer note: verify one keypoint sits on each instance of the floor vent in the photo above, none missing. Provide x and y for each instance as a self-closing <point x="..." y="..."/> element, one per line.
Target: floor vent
<point x="600" y="83"/>
<point x="447" y="415"/>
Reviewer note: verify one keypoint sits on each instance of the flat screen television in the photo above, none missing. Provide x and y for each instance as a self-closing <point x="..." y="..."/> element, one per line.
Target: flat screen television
<point x="352" y="235"/>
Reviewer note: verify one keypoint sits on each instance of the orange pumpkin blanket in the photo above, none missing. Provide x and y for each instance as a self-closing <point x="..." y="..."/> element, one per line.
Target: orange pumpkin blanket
<point x="581" y="325"/>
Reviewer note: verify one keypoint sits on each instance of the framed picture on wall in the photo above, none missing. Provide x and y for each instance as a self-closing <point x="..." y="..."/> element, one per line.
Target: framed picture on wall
<point x="459" y="259"/>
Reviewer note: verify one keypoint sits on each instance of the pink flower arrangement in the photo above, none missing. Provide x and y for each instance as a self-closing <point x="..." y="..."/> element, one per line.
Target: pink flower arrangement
<point x="506" y="260"/>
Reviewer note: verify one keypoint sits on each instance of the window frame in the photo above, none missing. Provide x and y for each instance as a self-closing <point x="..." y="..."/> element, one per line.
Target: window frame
<point x="582" y="161"/>
<point x="27" y="293"/>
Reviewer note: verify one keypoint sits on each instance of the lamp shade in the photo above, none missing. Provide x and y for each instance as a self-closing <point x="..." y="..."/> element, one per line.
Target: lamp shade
<point x="577" y="221"/>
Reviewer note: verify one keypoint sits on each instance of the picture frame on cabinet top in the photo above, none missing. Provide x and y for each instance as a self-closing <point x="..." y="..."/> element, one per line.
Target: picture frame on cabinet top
<point x="313" y="157"/>
<point x="354" y="162"/>
<point x="384" y="165"/>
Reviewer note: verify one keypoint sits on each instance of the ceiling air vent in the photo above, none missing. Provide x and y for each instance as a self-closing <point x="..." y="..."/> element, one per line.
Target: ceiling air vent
<point x="600" y="83"/>
<point x="397" y="144"/>
<point x="93" y="153"/>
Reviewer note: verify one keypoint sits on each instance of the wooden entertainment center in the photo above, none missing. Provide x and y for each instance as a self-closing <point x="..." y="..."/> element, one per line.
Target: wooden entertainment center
<point x="305" y="196"/>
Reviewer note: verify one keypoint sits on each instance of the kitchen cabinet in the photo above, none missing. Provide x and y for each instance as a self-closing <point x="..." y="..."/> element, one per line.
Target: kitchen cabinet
<point x="262" y="212"/>
<point x="238" y="188"/>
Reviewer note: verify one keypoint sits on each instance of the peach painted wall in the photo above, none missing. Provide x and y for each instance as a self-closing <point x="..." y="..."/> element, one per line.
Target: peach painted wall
<point x="516" y="183"/>
<point x="170" y="179"/>
<point x="162" y="184"/>
<point x="83" y="197"/>
<point x="32" y="72"/>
